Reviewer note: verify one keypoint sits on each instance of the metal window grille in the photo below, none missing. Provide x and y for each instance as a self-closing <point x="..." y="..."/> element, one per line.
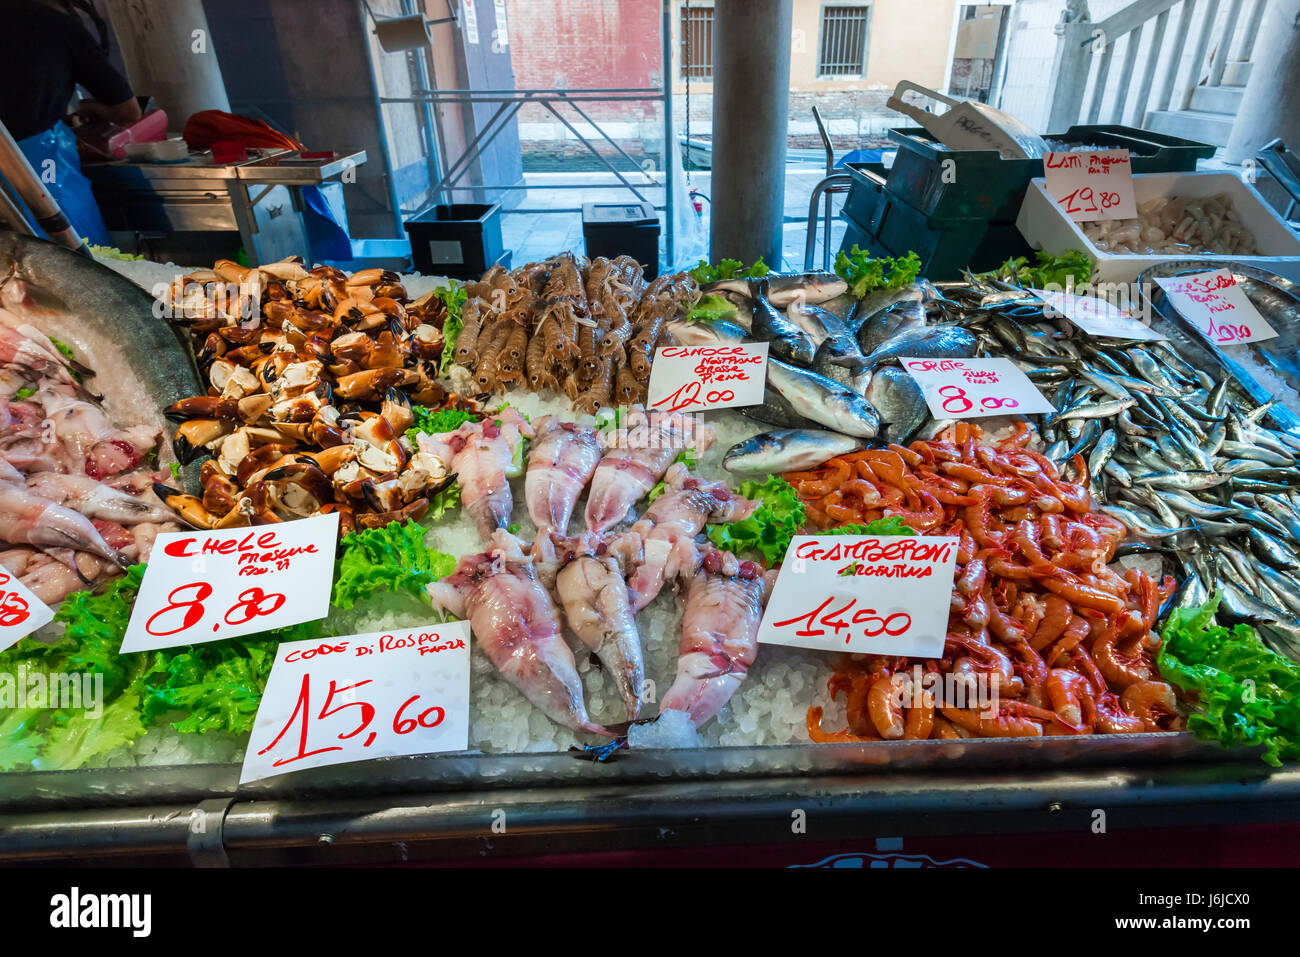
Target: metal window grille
<point x="844" y="41"/>
<point x="697" y="42"/>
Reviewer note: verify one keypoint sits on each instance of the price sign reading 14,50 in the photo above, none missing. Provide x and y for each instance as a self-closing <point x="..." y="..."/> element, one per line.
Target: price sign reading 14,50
<point x="873" y="624"/>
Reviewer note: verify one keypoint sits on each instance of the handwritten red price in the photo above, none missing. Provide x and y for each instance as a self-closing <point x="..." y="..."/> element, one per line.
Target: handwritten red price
<point x="359" y="697"/>
<point x="873" y="624"/>
<point x="14" y="609"/>
<point x="252" y="603"/>
<point x="689" y="395"/>
<point x="1086" y="200"/>
<point x="983" y="387"/>
<point x="430" y="717"/>
<point x="1206" y="299"/>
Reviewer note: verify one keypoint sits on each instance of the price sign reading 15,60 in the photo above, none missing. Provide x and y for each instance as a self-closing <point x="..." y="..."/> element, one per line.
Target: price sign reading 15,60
<point x="362" y="696"/>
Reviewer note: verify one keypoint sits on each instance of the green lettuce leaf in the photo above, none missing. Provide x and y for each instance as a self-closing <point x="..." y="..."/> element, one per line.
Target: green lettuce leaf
<point x="710" y="308"/>
<point x="890" y="525"/>
<point x="443" y="420"/>
<point x="865" y="274"/>
<point x="728" y="269"/>
<point x="768" y="531"/>
<point x="453" y="297"/>
<point x="1049" y="270"/>
<point x="393" y="557"/>
<point x="1243" y="693"/>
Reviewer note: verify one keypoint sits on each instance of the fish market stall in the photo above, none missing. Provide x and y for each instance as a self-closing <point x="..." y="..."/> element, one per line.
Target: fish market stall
<point x="583" y="574"/>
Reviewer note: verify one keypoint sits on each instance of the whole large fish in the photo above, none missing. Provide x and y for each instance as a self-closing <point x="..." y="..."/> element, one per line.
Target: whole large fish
<point x="899" y="400"/>
<point x="809" y="287"/>
<point x="786" y="450"/>
<point x="108" y="321"/>
<point x="934" y="342"/>
<point x="823" y="400"/>
<point x="829" y="333"/>
<point x="785" y="340"/>
<point x="716" y="333"/>
<point x="902" y="317"/>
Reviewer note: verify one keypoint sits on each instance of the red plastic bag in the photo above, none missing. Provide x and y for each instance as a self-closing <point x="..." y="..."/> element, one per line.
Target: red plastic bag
<point x="207" y="127"/>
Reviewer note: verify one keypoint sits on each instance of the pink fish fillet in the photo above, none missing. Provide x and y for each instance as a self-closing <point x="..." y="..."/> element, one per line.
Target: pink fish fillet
<point x="27" y="519"/>
<point x="517" y="625"/>
<point x="636" y="458"/>
<point x="560" y="464"/>
<point x="724" y="606"/>
<point x="668" y="528"/>
<point x="480" y="453"/>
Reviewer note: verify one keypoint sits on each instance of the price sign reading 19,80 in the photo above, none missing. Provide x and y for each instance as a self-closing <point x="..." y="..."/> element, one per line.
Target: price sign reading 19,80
<point x="206" y="585"/>
<point x="362" y="696"/>
<point x="974" y="388"/>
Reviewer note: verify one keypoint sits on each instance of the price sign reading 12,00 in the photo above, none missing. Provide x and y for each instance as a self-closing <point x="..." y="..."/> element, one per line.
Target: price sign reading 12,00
<point x="206" y="585"/>
<point x="698" y="378"/>
<point x="973" y="388"/>
<point x="360" y="697"/>
<point x="879" y="594"/>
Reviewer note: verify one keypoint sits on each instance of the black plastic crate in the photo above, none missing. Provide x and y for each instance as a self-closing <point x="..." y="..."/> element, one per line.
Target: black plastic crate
<point x="884" y="225"/>
<point x="461" y="240"/>
<point x="963" y="184"/>
<point x="623" y="229"/>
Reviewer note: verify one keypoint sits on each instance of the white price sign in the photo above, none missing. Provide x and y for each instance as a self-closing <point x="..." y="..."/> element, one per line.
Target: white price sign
<point x="879" y="594"/>
<point x="21" y="612"/>
<point x="1097" y="317"/>
<point x="377" y="695"/>
<point x="975" y="388"/>
<point x="1091" y="185"/>
<point x="699" y="378"/>
<point x="1218" y="307"/>
<point x="205" y="585"/>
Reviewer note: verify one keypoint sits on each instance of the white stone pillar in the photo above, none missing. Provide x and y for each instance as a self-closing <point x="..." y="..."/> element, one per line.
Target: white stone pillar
<point x="1270" y="107"/>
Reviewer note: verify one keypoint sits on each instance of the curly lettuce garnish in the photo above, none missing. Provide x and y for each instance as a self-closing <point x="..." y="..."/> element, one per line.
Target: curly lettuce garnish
<point x="778" y="518"/>
<point x="1243" y="693"/>
<point x="394" y="557"/>
<point x="453" y="297"/>
<point x="728" y="269"/>
<point x="889" y="525"/>
<point x="711" y="308"/>
<point x="1071" y="265"/>
<point x="443" y="420"/>
<point x="866" y="274"/>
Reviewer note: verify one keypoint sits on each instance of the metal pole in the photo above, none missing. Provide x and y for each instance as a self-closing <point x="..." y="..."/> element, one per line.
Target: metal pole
<point x="11" y="214"/>
<point x="45" y="210"/>
<point x="595" y="152"/>
<point x="751" y="57"/>
<point x="670" y="217"/>
<point x="391" y="181"/>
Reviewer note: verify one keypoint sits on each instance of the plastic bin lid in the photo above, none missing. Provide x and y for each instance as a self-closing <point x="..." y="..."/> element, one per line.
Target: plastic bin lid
<point x="618" y="214"/>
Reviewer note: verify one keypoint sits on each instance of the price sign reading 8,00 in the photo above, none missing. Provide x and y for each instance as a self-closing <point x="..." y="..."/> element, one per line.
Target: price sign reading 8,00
<point x="872" y="623"/>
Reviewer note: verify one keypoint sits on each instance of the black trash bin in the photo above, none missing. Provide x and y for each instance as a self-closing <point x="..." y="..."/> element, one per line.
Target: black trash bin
<point x="460" y="240"/>
<point x="623" y="229"/>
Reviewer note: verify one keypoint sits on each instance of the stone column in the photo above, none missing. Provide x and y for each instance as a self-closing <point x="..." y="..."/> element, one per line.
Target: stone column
<point x="751" y="90"/>
<point x="168" y="52"/>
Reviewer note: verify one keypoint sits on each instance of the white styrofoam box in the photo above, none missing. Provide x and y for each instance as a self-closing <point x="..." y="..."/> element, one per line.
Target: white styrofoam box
<point x="1046" y="226"/>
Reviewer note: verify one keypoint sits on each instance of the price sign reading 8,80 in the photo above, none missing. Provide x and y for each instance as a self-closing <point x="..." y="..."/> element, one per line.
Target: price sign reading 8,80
<point x="206" y="585"/>
<point x="21" y="612"/>
<point x="972" y="388"/>
<point x="362" y="696"/>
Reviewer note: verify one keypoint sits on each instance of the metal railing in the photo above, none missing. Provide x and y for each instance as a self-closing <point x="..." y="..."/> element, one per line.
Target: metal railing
<point x="1166" y="78"/>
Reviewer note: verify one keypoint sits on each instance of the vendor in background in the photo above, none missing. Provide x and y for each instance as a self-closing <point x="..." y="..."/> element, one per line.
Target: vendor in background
<point x="45" y="53"/>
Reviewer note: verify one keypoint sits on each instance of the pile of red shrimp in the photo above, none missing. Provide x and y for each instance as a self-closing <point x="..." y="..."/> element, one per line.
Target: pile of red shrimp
<point x="1064" y="641"/>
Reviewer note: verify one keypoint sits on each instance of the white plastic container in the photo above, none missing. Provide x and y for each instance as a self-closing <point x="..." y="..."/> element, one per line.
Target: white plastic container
<point x="1045" y="225"/>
